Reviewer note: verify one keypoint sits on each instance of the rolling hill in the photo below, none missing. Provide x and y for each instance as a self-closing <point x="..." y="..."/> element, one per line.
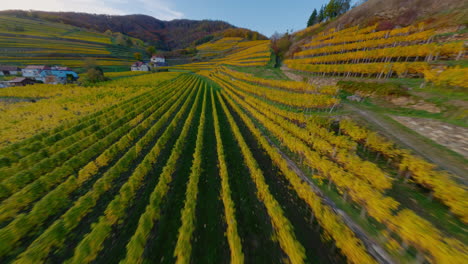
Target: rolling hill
<point x="27" y="41"/>
<point x="167" y="35"/>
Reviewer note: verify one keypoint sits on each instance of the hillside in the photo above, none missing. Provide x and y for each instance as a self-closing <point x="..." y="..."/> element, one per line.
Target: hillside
<point x="233" y="51"/>
<point x="35" y="41"/>
<point x="391" y="13"/>
<point x="173" y="34"/>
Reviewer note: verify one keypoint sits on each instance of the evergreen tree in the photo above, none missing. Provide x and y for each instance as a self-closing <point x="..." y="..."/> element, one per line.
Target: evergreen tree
<point x="312" y="18"/>
<point x="331" y="9"/>
<point x="335" y="8"/>
<point x="321" y="15"/>
<point x="345" y="5"/>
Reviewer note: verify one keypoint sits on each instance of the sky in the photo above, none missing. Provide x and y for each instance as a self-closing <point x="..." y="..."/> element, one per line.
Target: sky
<point x="265" y="16"/>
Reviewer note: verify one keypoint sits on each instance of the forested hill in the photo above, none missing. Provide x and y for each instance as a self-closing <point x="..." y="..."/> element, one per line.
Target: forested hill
<point x="173" y="34"/>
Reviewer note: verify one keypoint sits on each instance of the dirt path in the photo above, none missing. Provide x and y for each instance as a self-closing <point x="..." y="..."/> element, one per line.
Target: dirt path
<point x="291" y="75"/>
<point x="436" y="155"/>
<point x="317" y="81"/>
<point x="448" y="135"/>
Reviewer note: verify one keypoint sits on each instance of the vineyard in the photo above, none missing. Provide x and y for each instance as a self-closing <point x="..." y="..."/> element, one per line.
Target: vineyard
<point x="230" y="51"/>
<point x="201" y="167"/>
<point x="33" y="41"/>
<point x="365" y="52"/>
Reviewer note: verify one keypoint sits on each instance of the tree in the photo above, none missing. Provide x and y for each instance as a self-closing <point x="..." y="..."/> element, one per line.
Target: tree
<point x="312" y="18"/>
<point x="331" y="9"/>
<point x="94" y="73"/>
<point x="321" y="15"/>
<point x="280" y="44"/>
<point x="120" y="39"/>
<point x="335" y="8"/>
<point x="137" y="56"/>
<point x="129" y="42"/>
<point x="345" y="5"/>
<point x="150" y="50"/>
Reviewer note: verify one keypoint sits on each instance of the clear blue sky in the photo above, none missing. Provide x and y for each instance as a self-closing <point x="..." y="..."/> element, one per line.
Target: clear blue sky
<point x="265" y="16"/>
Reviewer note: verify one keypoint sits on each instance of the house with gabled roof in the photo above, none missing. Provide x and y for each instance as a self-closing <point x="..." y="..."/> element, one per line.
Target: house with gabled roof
<point x="140" y="66"/>
<point x="158" y="58"/>
<point x="158" y="61"/>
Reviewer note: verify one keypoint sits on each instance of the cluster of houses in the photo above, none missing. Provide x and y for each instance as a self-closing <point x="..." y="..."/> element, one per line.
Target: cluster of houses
<point x="37" y="74"/>
<point x="156" y="61"/>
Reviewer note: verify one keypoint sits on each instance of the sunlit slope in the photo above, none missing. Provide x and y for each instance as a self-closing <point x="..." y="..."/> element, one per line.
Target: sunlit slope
<point x="231" y="51"/>
<point x="26" y="41"/>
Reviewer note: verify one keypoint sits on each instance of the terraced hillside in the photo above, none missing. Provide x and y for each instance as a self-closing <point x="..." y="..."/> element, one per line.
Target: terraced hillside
<point x="230" y="51"/>
<point x="33" y="41"/>
<point x="367" y="52"/>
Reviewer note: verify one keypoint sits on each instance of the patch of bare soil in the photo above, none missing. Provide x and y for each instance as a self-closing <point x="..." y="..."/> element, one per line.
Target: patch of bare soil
<point x="316" y="81"/>
<point x="415" y="104"/>
<point x="451" y="136"/>
<point x="444" y="159"/>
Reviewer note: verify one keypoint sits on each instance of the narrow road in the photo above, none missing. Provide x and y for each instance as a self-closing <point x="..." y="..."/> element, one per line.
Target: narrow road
<point x="435" y="155"/>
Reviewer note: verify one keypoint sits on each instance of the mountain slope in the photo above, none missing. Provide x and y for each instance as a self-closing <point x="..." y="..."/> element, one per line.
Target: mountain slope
<point x="173" y="34"/>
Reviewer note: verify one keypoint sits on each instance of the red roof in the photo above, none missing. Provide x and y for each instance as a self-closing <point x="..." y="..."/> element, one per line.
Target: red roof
<point x="37" y="67"/>
<point x="158" y="56"/>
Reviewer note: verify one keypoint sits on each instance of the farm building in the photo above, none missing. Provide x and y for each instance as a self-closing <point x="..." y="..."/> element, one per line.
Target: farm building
<point x="140" y="66"/>
<point x="9" y="70"/>
<point x="35" y="71"/>
<point x="61" y="75"/>
<point x="51" y="75"/>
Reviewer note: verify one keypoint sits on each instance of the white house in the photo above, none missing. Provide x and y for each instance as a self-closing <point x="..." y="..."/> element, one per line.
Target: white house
<point x="140" y="66"/>
<point x="36" y="72"/>
<point x="158" y="59"/>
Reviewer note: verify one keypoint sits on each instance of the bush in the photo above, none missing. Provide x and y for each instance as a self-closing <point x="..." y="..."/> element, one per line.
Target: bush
<point x="94" y="73"/>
